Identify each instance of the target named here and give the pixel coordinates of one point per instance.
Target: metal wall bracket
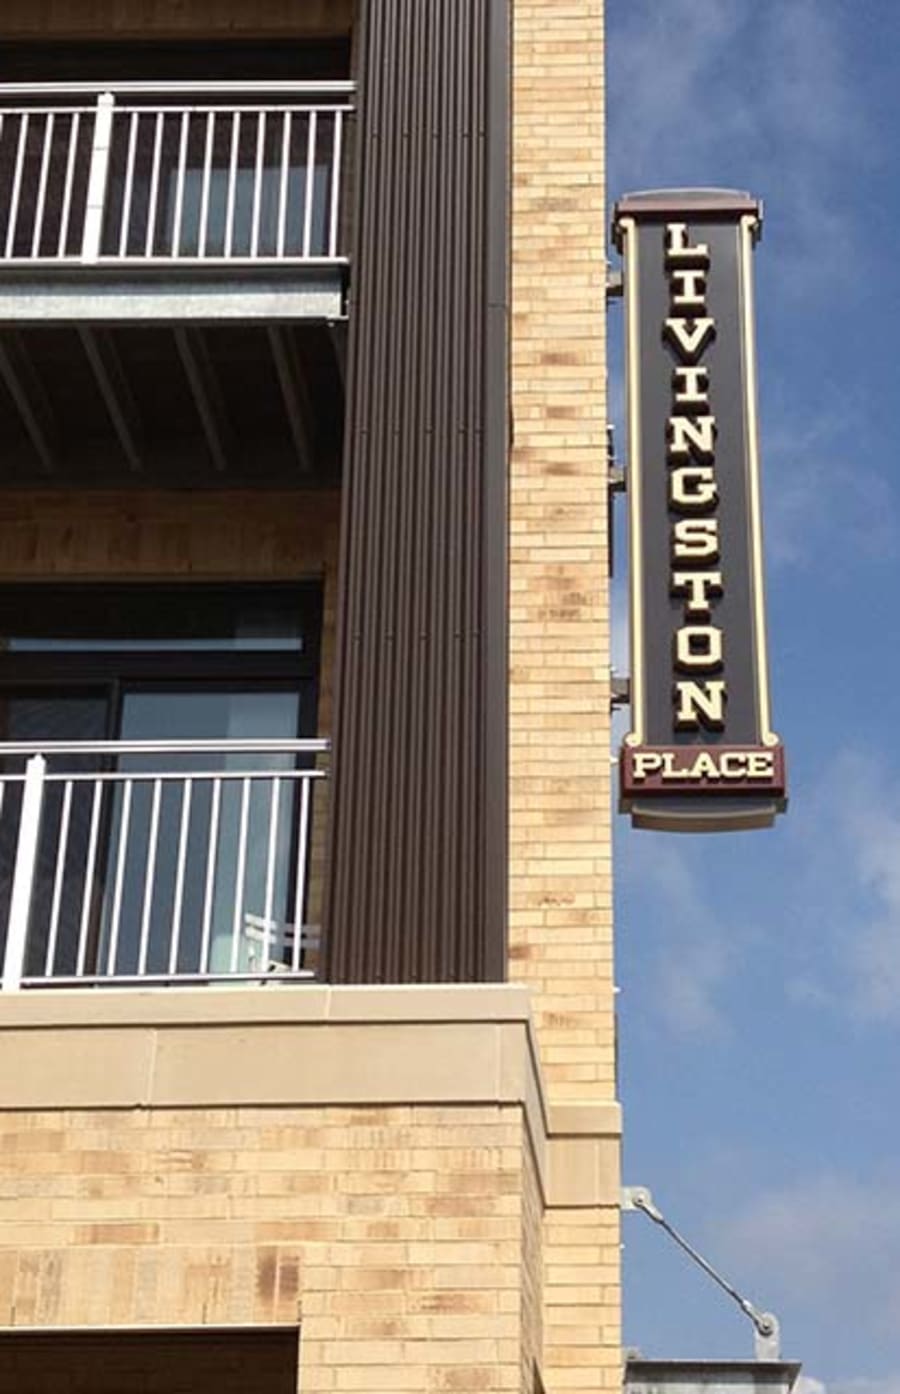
(615, 284)
(619, 696)
(616, 483)
(766, 1330)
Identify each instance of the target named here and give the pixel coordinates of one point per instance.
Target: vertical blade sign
(701, 756)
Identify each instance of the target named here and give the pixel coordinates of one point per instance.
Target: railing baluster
(179, 184)
(336, 176)
(17, 185)
(58, 878)
(310, 185)
(212, 849)
(300, 885)
(23, 874)
(258, 181)
(232, 183)
(241, 874)
(74, 130)
(98, 178)
(274, 800)
(121, 853)
(149, 876)
(154, 183)
(178, 902)
(207, 177)
(284, 188)
(46, 152)
(129, 184)
(88, 892)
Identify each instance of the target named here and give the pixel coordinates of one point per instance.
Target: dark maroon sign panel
(701, 752)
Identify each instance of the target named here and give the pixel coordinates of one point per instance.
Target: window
(144, 843)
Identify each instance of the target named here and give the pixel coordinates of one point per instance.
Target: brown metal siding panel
(419, 854)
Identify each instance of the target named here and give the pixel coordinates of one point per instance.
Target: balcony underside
(113, 401)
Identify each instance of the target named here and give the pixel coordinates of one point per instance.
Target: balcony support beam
(295, 394)
(208, 399)
(337, 331)
(25, 388)
(104, 294)
(116, 393)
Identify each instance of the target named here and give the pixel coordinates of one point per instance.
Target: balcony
(143, 190)
(173, 278)
(153, 862)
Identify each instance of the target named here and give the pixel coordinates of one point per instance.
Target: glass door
(214, 882)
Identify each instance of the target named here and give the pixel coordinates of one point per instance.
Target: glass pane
(39, 717)
(52, 716)
(206, 908)
(153, 618)
(154, 715)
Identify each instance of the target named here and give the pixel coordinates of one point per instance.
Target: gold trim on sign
(748, 227)
(628, 229)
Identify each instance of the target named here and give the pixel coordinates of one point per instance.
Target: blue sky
(760, 972)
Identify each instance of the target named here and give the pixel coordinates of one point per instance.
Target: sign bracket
(619, 691)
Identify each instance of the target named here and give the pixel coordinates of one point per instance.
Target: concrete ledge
(304, 1046)
(273, 1002)
(583, 1164)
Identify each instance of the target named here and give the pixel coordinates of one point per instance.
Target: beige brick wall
(393, 1235)
(560, 877)
(582, 1296)
(561, 867)
(532, 1312)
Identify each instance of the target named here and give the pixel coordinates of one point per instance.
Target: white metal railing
(156, 862)
(172, 173)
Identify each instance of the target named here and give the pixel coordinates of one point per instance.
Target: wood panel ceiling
(175, 406)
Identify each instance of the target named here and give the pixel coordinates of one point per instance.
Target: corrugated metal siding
(419, 852)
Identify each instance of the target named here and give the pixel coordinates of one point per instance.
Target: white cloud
(847, 881)
(827, 902)
(761, 94)
(660, 57)
(826, 1243)
(817, 482)
(871, 821)
(755, 94)
(687, 981)
(695, 955)
(888, 1384)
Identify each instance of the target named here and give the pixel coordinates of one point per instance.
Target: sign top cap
(686, 203)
